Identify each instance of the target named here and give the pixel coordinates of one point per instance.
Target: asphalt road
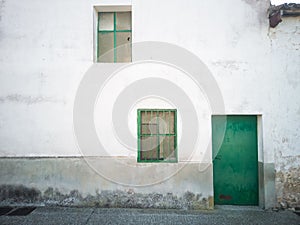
(221, 215)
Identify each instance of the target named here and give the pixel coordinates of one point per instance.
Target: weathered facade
(69, 123)
(285, 46)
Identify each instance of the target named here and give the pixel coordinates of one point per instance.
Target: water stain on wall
(22, 195)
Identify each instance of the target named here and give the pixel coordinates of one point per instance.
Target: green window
(157, 135)
(114, 37)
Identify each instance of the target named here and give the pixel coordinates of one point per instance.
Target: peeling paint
(29, 100)
(283, 163)
(285, 139)
(231, 65)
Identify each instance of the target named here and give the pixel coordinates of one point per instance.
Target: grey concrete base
(101, 182)
(269, 185)
(72, 182)
(267, 192)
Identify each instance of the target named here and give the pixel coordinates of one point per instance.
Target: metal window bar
(115, 31)
(157, 137)
(169, 131)
(164, 131)
(175, 132)
(161, 137)
(150, 148)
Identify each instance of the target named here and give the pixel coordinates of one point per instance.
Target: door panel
(235, 162)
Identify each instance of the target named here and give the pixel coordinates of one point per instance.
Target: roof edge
(283, 10)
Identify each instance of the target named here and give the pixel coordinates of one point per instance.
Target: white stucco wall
(46, 51)
(285, 70)
(285, 132)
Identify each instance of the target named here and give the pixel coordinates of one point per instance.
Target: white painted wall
(46, 48)
(285, 132)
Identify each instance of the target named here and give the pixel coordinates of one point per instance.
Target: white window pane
(124, 46)
(106, 47)
(106, 21)
(123, 20)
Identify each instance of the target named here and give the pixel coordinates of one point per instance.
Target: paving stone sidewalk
(221, 215)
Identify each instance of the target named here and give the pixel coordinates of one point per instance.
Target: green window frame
(157, 135)
(114, 37)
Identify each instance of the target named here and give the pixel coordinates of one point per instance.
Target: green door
(235, 162)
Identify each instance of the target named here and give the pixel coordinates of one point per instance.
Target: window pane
(106, 21)
(149, 148)
(123, 46)
(164, 147)
(166, 122)
(149, 128)
(145, 118)
(123, 20)
(167, 150)
(157, 137)
(171, 121)
(106, 47)
(163, 122)
(149, 123)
